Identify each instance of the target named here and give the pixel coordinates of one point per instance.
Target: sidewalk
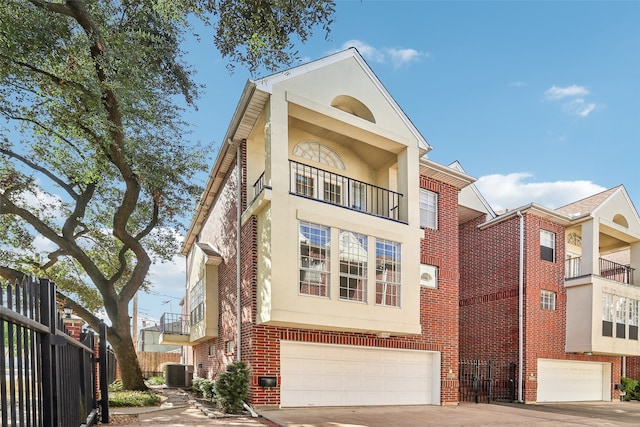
(178, 409)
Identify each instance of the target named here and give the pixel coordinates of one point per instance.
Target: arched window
(621, 220)
(352, 106)
(317, 152)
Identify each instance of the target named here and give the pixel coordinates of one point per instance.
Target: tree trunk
(128, 364)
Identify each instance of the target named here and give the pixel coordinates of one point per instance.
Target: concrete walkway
(178, 409)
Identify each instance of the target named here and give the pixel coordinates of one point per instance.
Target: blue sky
(536, 99)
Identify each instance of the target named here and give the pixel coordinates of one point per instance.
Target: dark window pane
(607, 328)
(620, 330)
(546, 253)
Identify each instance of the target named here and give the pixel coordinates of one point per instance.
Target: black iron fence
(49, 377)
(607, 269)
(487, 381)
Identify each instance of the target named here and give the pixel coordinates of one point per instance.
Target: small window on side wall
(547, 246)
(548, 300)
(428, 209)
(429, 276)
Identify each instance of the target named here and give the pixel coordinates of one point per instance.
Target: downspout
(238, 263)
(520, 308)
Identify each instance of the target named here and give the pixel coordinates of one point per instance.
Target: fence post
(104, 386)
(49, 371)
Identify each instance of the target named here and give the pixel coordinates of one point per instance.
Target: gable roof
(588, 204)
(266, 84)
(252, 101)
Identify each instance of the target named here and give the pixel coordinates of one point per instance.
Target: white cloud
(511, 191)
(396, 56)
(517, 84)
(573, 98)
(168, 276)
(556, 92)
(579, 107)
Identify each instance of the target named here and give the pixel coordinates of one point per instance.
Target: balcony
(338, 190)
(606, 269)
(174, 329)
(602, 309)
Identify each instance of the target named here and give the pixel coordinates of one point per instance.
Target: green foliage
(115, 386)
(232, 387)
(133, 398)
(631, 387)
(203, 387)
(155, 380)
(95, 156)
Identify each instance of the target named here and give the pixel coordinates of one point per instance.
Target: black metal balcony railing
(258, 186)
(607, 269)
(318, 184)
(174, 324)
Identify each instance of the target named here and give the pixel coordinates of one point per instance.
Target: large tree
(93, 155)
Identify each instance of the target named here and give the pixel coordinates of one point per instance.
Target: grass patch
(133, 398)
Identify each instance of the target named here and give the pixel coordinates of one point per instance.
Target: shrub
(232, 387)
(630, 387)
(203, 387)
(133, 398)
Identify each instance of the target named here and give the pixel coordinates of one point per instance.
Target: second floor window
(547, 245)
(315, 256)
(428, 209)
(196, 302)
(608, 302)
(353, 266)
(388, 274)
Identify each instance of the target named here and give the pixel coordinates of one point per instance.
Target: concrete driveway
(465, 414)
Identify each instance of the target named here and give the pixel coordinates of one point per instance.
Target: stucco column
(590, 248)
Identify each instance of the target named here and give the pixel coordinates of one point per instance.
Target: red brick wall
(489, 298)
(261, 344)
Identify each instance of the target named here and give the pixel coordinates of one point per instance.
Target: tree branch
(69, 189)
(52, 7)
(79, 310)
(11, 274)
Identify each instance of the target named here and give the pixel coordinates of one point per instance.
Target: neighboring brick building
(579, 299)
(348, 268)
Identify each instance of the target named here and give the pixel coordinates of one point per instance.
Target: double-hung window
(353, 266)
(314, 258)
(607, 314)
(621, 317)
(633, 319)
(547, 245)
(388, 274)
(428, 209)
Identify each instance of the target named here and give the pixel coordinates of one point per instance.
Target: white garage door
(340, 375)
(573, 381)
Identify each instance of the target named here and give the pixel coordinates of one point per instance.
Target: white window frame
(388, 273)
(548, 300)
(548, 240)
(428, 209)
(354, 268)
(315, 270)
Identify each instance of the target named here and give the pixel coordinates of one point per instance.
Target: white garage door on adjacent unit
(573, 381)
(340, 375)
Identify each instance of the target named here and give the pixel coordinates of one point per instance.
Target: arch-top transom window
(353, 106)
(621, 220)
(317, 152)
